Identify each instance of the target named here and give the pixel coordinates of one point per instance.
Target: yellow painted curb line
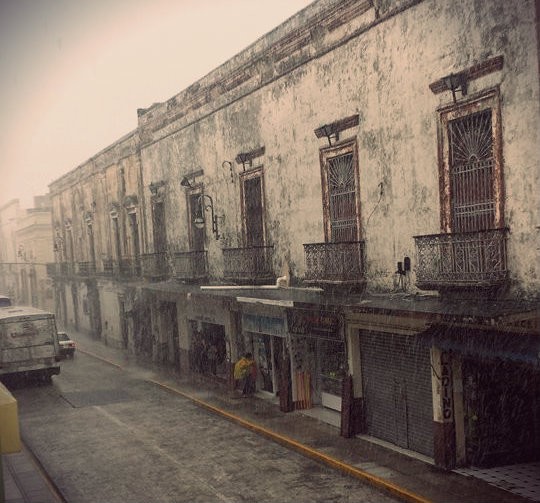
(304, 449)
(378, 482)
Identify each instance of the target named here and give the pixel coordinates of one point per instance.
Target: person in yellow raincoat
(245, 371)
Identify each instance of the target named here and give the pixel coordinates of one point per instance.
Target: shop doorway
(329, 361)
(501, 412)
(396, 379)
(268, 354)
(169, 326)
(208, 353)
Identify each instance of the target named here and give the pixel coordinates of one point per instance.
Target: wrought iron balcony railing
(155, 265)
(86, 268)
(251, 265)
(335, 263)
(109, 266)
(190, 266)
(56, 269)
(461, 260)
(52, 269)
(129, 267)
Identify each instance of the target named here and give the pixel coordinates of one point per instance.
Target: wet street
(106, 434)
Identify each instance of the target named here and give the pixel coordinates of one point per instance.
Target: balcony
(60, 269)
(469, 260)
(109, 266)
(155, 266)
(190, 266)
(86, 269)
(52, 269)
(334, 264)
(251, 265)
(129, 267)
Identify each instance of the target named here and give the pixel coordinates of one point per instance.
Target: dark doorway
(253, 211)
(160, 236)
(501, 412)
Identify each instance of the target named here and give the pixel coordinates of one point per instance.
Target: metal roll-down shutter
(396, 375)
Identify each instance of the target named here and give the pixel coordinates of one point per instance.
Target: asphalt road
(105, 434)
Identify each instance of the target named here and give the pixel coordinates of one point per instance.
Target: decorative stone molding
(114, 208)
(259, 65)
(131, 202)
(246, 158)
(333, 129)
(157, 189)
(88, 217)
(473, 72)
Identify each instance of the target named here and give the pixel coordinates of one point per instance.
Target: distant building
(9, 274)
(26, 249)
(381, 159)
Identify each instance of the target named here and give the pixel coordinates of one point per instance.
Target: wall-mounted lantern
(155, 186)
(186, 183)
(246, 158)
(205, 203)
(456, 81)
(243, 158)
(330, 133)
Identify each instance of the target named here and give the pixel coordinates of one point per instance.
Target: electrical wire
(381, 192)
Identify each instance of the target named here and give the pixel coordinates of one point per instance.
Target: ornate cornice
(257, 65)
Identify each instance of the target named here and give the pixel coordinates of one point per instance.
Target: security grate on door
(396, 375)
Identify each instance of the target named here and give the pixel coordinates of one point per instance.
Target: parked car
(67, 346)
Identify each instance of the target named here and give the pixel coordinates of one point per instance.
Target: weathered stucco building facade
(355, 199)
(25, 250)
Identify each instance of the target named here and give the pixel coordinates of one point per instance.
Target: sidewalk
(415, 479)
(409, 478)
(23, 480)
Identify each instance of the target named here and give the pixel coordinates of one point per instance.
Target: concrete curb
(378, 482)
(55, 490)
(350, 470)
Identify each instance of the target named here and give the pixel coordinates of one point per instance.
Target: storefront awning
(484, 343)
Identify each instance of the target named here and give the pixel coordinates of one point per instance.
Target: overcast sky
(74, 72)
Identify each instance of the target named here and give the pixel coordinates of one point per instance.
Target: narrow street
(106, 434)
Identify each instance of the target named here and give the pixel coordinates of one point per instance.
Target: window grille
(471, 172)
(342, 198)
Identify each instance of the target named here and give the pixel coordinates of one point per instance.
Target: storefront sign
(446, 387)
(207, 311)
(263, 325)
(305, 322)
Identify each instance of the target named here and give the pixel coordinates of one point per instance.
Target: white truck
(28, 343)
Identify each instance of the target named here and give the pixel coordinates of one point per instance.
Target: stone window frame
(485, 100)
(253, 172)
(198, 191)
(348, 146)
